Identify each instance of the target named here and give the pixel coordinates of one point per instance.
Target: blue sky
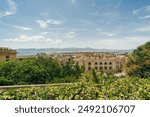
(109, 24)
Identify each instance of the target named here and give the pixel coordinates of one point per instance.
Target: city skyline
(100, 24)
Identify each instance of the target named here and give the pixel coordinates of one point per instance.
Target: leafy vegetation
(138, 64)
(86, 89)
(38, 70)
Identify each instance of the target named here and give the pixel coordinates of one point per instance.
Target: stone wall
(7, 54)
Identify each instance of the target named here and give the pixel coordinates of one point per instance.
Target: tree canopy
(138, 63)
(38, 70)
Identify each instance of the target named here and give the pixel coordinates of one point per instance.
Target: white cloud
(70, 34)
(34, 38)
(145, 17)
(99, 29)
(46, 23)
(11, 10)
(60, 16)
(26, 38)
(73, 1)
(143, 29)
(143, 13)
(22, 28)
(123, 43)
(54, 41)
(44, 33)
(109, 34)
(16, 26)
(43, 24)
(101, 32)
(107, 13)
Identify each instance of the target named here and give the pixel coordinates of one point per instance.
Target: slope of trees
(38, 70)
(138, 64)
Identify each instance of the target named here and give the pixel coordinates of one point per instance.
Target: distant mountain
(34, 51)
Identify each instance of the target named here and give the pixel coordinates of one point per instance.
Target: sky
(100, 24)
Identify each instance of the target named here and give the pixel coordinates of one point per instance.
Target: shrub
(4, 81)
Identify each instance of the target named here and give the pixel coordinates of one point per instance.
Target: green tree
(77, 70)
(50, 65)
(6, 68)
(138, 63)
(27, 72)
(71, 69)
(95, 76)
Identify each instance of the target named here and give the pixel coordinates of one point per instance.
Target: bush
(66, 79)
(4, 81)
(86, 89)
(127, 89)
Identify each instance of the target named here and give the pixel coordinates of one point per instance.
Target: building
(6, 54)
(106, 62)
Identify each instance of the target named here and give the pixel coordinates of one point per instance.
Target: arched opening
(96, 63)
(101, 63)
(89, 63)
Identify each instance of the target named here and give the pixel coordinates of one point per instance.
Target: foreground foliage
(108, 87)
